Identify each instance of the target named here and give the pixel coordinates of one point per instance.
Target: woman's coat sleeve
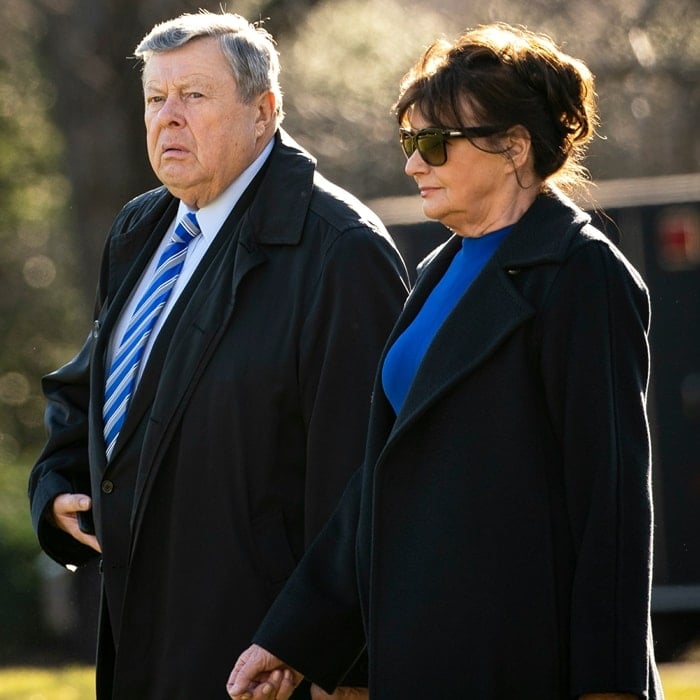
(595, 364)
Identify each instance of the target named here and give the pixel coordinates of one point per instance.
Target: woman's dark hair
(508, 76)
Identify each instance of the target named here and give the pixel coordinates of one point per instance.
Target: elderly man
(219, 405)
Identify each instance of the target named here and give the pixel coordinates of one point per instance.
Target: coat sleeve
(62, 466)
(360, 292)
(595, 364)
(315, 624)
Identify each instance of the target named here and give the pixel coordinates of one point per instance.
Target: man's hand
(65, 517)
(259, 674)
(341, 693)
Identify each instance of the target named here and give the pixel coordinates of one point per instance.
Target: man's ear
(267, 110)
(517, 146)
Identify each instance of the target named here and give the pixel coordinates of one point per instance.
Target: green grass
(681, 682)
(70, 683)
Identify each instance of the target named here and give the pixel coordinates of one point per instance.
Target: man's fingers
(248, 666)
(90, 541)
(290, 680)
(64, 511)
(67, 503)
(279, 686)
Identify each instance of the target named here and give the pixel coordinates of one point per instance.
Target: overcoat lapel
(129, 254)
(489, 312)
(180, 331)
(186, 353)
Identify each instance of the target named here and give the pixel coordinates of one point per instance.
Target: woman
(497, 542)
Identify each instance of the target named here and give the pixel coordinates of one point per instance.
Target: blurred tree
(343, 70)
(39, 304)
(646, 58)
(340, 75)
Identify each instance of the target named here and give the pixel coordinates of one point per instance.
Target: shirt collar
(212, 216)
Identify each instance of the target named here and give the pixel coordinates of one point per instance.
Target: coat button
(107, 486)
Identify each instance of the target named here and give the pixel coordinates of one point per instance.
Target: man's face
(200, 136)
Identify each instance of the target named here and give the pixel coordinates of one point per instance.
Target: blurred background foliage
(72, 152)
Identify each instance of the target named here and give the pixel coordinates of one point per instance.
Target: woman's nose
(415, 164)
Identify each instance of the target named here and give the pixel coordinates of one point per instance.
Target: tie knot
(187, 229)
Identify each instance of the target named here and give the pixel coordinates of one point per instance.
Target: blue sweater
(407, 352)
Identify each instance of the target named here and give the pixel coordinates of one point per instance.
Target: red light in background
(678, 238)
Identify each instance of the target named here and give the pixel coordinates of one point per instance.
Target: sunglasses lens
(430, 145)
(432, 148)
(408, 143)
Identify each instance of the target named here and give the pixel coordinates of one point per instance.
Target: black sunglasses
(430, 142)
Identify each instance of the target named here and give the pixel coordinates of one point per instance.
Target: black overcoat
(497, 542)
(249, 419)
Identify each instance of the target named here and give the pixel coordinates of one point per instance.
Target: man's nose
(171, 111)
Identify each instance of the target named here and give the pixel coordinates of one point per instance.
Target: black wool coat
(497, 542)
(248, 421)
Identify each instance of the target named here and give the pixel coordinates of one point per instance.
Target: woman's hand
(260, 674)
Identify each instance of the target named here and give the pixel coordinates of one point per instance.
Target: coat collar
(277, 215)
(544, 232)
(287, 182)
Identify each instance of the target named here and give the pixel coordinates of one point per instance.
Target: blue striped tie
(121, 379)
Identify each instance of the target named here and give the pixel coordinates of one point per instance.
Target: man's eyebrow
(196, 79)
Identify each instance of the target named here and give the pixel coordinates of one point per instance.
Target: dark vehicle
(656, 222)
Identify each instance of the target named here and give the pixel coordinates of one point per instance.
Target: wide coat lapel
(128, 255)
(182, 358)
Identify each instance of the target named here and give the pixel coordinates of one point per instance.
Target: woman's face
(474, 192)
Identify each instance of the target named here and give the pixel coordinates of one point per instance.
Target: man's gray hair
(249, 49)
